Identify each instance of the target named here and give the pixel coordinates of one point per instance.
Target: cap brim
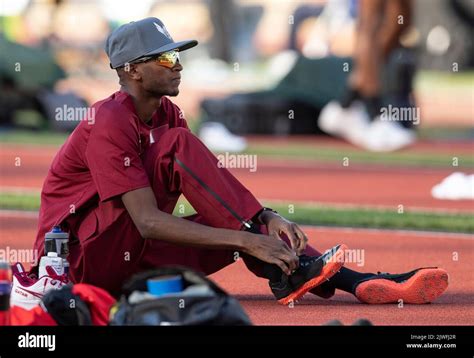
(181, 46)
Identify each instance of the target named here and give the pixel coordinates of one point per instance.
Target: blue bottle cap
(56, 233)
(165, 284)
(56, 229)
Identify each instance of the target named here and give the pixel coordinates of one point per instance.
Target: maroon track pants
(109, 248)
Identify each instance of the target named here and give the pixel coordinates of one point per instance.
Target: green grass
(376, 218)
(310, 214)
(17, 201)
(33, 137)
(290, 151)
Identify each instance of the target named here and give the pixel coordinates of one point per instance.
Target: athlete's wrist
(245, 242)
(267, 215)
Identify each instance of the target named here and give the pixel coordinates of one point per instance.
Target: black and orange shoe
(419, 286)
(312, 272)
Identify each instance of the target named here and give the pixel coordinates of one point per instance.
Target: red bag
(34, 317)
(91, 307)
(99, 301)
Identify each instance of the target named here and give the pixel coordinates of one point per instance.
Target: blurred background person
(265, 67)
(357, 116)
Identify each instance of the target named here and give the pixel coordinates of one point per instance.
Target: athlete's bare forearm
(155, 224)
(169, 228)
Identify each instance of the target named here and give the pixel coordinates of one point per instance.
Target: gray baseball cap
(137, 39)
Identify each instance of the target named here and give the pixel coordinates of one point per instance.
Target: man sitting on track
(123, 173)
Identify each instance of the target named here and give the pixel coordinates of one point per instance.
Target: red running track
(362, 185)
(356, 185)
(388, 251)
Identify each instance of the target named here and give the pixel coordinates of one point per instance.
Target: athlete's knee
(178, 132)
(182, 138)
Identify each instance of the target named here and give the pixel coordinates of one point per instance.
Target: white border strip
(336, 205)
(436, 234)
(19, 214)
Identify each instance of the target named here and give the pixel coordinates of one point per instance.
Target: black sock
(349, 96)
(373, 106)
(270, 271)
(345, 280)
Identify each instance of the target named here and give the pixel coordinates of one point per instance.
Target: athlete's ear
(133, 71)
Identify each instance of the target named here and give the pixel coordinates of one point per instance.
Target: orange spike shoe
(422, 285)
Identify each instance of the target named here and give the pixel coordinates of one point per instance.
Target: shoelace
(63, 279)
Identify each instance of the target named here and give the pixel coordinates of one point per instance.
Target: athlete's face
(159, 80)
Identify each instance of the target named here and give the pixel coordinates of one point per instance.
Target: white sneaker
(349, 123)
(27, 291)
(457, 186)
(218, 138)
(354, 125)
(386, 136)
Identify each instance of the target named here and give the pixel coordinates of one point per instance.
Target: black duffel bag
(201, 302)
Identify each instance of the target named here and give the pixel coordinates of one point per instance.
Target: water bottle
(65, 267)
(53, 260)
(57, 241)
(5, 290)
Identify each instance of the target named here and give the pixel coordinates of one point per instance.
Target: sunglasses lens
(168, 59)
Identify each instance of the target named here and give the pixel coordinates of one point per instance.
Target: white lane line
(20, 190)
(19, 214)
(385, 207)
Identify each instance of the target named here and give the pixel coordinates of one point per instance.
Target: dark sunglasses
(165, 59)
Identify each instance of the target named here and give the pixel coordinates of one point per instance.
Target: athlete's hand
(277, 225)
(273, 250)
